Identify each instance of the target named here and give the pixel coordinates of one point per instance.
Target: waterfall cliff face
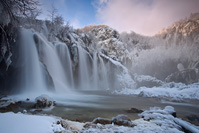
(47, 65)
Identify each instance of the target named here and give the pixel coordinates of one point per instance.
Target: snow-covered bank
(24, 123)
(153, 120)
(173, 91)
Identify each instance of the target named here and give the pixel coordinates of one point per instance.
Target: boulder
(122, 120)
(170, 110)
(43, 101)
(102, 121)
(187, 76)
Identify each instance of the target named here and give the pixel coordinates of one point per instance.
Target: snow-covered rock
(172, 91)
(122, 120)
(187, 76)
(147, 81)
(44, 101)
(153, 120)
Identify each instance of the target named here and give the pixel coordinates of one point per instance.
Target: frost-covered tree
(52, 13)
(58, 20)
(18, 8)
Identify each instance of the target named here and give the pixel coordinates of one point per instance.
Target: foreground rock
(44, 101)
(102, 121)
(122, 120)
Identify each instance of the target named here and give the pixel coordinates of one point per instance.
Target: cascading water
(32, 76)
(83, 68)
(41, 59)
(54, 65)
(64, 55)
(95, 70)
(103, 74)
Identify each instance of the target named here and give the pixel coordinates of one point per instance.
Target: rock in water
(44, 101)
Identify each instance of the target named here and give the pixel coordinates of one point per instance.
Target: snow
(124, 78)
(153, 120)
(24, 123)
(174, 91)
(141, 78)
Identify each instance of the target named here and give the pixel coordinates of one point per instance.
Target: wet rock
(102, 121)
(58, 122)
(194, 119)
(134, 110)
(64, 124)
(89, 124)
(27, 99)
(122, 120)
(74, 55)
(187, 76)
(48, 78)
(43, 101)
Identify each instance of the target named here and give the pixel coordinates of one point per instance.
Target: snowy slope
(24, 123)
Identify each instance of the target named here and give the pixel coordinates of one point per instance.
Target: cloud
(144, 16)
(75, 23)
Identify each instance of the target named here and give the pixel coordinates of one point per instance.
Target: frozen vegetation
(171, 91)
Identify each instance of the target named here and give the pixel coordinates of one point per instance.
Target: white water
(95, 71)
(64, 55)
(54, 66)
(83, 68)
(103, 73)
(32, 77)
(43, 61)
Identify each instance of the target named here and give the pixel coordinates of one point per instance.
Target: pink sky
(146, 17)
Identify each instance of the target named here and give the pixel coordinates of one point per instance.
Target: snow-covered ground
(153, 120)
(24, 123)
(173, 91)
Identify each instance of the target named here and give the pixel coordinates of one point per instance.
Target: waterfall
(54, 65)
(32, 77)
(104, 81)
(64, 55)
(83, 69)
(95, 71)
(44, 64)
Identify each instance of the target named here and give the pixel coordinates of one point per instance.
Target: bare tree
(58, 20)
(52, 13)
